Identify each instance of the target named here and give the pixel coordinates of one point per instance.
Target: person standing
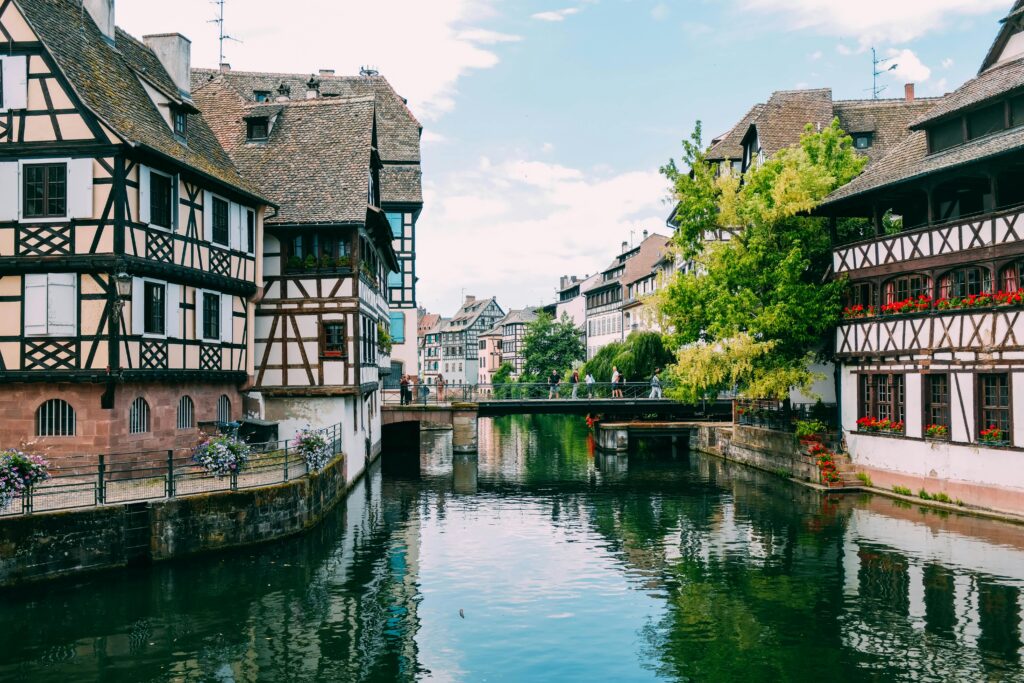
(553, 384)
(440, 388)
(403, 385)
(656, 384)
(590, 385)
(575, 384)
(616, 381)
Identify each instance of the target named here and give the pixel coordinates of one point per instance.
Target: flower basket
(993, 436)
(936, 432)
(314, 447)
(221, 456)
(19, 472)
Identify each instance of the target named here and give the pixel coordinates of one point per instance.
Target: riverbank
(50, 545)
(778, 453)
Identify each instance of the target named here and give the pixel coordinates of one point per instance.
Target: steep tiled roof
(426, 322)
(315, 162)
(730, 145)
(468, 313)
(993, 83)
(1010, 25)
(401, 182)
(105, 78)
(787, 112)
(640, 266)
(522, 316)
(887, 120)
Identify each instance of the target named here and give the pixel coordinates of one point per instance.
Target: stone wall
(50, 545)
(762, 448)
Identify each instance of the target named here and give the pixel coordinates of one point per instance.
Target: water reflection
(541, 559)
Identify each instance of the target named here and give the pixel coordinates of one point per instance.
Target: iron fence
(427, 394)
(782, 415)
(112, 478)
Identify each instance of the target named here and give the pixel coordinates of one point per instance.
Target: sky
(545, 121)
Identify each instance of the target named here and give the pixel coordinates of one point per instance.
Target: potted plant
(326, 262)
(310, 262)
(343, 262)
(936, 432)
(221, 456)
(19, 472)
(810, 431)
(294, 263)
(313, 446)
(993, 436)
(384, 342)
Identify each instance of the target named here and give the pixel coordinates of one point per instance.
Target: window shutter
(144, 207)
(207, 231)
(138, 307)
(175, 202)
(80, 188)
(9, 186)
(235, 225)
(62, 304)
(199, 313)
(15, 75)
(173, 309)
(35, 304)
(227, 318)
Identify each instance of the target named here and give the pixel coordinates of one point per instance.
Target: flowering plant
(830, 475)
(859, 311)
(911, 305)
(18, 473)
(221, 455)
(873, 424)
(991, 435)
(313, 446)
(936, 431)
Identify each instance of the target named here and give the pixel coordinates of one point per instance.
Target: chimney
(625, 246)
(224, 66)
(174, 52)
(312, 88)
(284, 92)
(469, 299)
(102, 12)
(326, 72)
(908, 91)
(645, 234)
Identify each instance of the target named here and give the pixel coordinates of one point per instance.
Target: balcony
(984, 231)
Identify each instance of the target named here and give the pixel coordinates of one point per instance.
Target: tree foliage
(551, 345)
(501, 378)
(756, 307)
(636, 358)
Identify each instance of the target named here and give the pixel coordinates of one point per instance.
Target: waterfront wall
(50, 545)
(762, 448)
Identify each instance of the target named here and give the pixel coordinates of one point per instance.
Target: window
(882, 397)
(45, 190)
(186, 413)
(964, 282)
(220, 221)
(1017, 111)
(13, 82)
(398, 327)
(138, 417)
(180, 118)
(223, 409)
(161, 199)
(328, 252)
(261, 95)
(211, 315)
(986, 121)
(55, 417)
(257, 129)
(51, 304)
(1009, 277)
(936, 388)
(332, 340)
(250, 231)
(907, 287)
(154, 308)
(995, 403)
(394, 279)
(946, 135)
(863, 140)
(395, 219)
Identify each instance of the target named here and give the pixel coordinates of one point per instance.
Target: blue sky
(545, 122)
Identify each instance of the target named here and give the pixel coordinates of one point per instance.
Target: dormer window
(180, 120)
(863, 140)
(986, 121)
(257, 128)
(946, 135)
(261, 95)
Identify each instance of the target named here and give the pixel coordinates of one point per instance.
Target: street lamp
(124, 285)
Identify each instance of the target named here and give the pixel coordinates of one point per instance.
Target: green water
(540, 561)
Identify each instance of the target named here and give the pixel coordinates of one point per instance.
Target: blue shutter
(394, 279)
(395, 219)
(398, 327)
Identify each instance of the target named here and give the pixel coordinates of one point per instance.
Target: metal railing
(777, 415)
(81, 481)
(429, 394)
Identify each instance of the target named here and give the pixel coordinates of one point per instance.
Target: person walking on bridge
(656, 384)
(553, 384)
(616, 383)
(590, 384)
(575, 384)
(403, 385)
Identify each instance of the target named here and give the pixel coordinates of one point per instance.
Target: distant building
(513, 331)
(459, 344)
(648, 272)
(430, 348)
(489, 354)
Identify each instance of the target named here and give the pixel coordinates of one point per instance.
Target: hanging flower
(221, 455)
(314, 447)
(19, 472)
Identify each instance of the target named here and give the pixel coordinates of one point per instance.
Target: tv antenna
(220, 28)
(875, 63)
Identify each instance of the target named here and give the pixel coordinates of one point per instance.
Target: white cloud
(843, 50)
(941, 86)
(815, 56)
(660, 11)
(513, 226)
(947, 62)
(547, 148)
(432, 137)
(555, 15)
(872, 21)
(451, 34)
(909, 68)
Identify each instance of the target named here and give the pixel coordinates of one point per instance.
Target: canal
(539, 560)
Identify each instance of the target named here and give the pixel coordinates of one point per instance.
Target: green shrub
(865, 478)
(902, 490)
(941, 497)
(924, 495)
(808, 428)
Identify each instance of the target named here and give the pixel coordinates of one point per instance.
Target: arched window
(186, 413)
(1009, 277)
(906, 287)
(55, 417)
(964, 282)
(138, 417)
(223, 409)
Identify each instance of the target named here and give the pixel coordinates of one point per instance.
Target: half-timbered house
(128, 239)
(935, 329)
(323, 316)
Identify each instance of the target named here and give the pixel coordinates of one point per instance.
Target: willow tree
(757, 309)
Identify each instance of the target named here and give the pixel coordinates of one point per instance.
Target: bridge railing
(428, 394)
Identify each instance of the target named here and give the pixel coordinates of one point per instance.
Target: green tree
(551, 345)
(636, 358)
(757, 308)
(501, 379)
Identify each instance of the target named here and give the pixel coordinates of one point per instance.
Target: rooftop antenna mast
(220, 29)
(875, 63)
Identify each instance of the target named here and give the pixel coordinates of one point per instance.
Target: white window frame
(208, 197)
(145, 191)
(250, 248)
(201, 315)
(22, 163)
(46, 306)
(139, 309)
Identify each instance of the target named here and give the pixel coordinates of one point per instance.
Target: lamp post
(123, 281)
